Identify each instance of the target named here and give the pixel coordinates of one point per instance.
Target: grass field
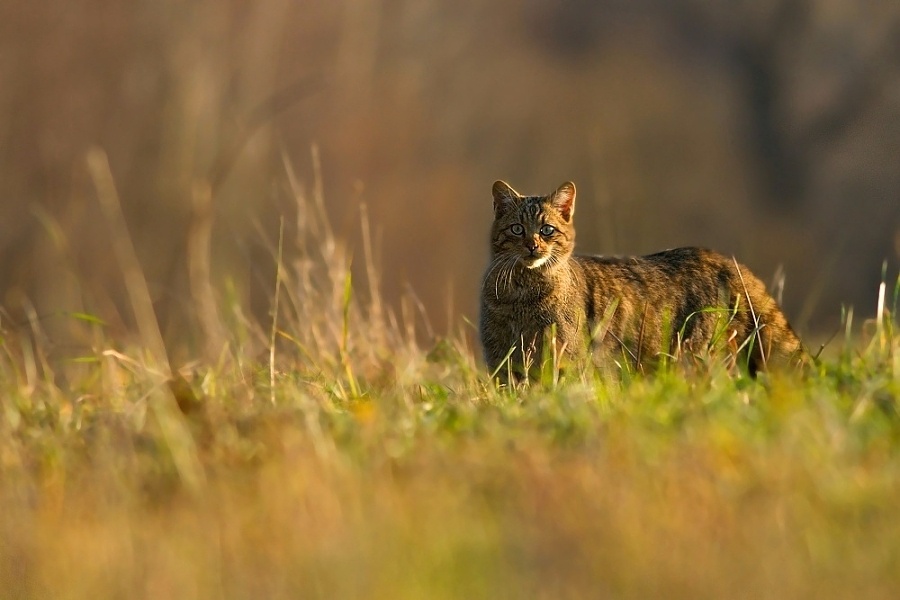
(330, 453)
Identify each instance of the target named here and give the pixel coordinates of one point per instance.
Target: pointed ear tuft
(504, 196)
(563, 200)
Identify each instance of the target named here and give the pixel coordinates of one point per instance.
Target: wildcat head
(534, 231)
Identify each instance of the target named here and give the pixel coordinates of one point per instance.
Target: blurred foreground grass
(433, 485)
(327, 455)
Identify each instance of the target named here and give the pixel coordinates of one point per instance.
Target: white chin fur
(539, 262)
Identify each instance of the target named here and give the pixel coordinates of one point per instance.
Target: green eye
(517, 229)
(547, 230)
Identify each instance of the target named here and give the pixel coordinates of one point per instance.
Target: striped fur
(632, 310)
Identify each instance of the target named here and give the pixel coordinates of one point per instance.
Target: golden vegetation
(203, 396)
(337, 458)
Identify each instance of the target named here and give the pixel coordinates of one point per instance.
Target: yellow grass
(331, 453)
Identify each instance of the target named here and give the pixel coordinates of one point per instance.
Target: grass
(328, 454)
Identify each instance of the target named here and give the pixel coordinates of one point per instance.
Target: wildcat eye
(547, 230)
(517, 229)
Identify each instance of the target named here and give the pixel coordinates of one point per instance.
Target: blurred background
(769, 129)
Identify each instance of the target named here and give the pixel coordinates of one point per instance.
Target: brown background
(769, 129)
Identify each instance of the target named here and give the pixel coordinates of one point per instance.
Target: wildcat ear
(504, 196)
(563, 200)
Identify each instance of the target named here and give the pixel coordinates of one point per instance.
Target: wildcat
(618, 310)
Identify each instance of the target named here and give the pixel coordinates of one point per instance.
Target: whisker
(507, 273)
(500, 272)
(510, 272)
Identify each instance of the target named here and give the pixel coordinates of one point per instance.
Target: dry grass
(326, 454)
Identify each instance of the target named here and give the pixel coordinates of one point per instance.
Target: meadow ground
(330, 454)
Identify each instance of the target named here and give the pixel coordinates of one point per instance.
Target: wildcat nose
(531, 245)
